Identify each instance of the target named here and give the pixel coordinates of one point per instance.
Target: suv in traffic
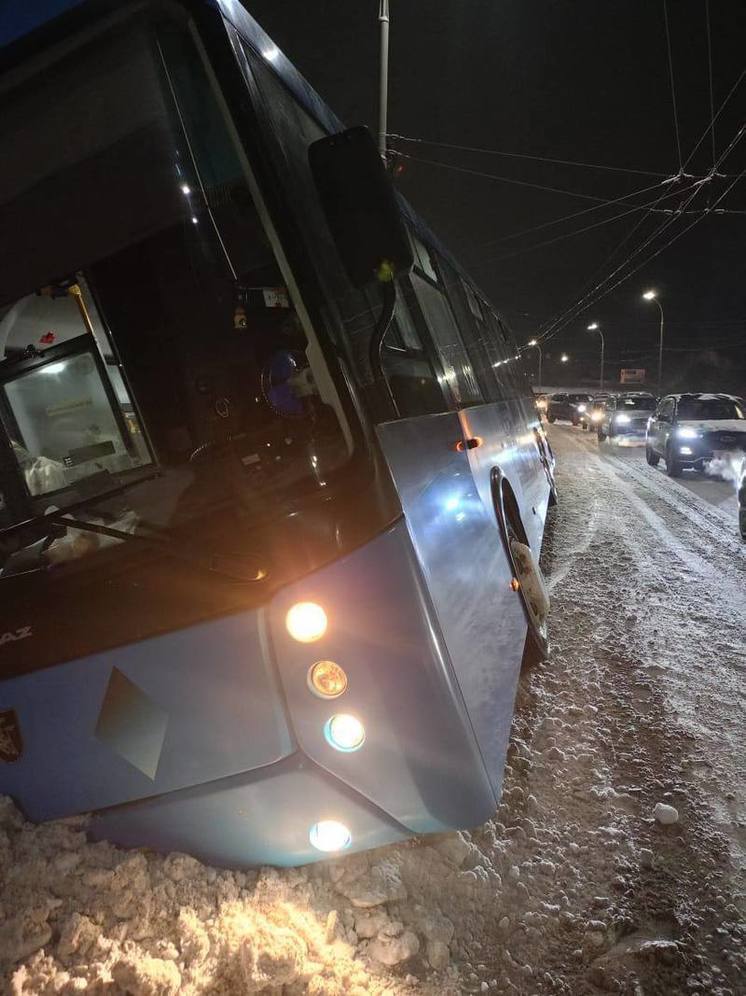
(690, 430)
(567, 407)
(626, 416)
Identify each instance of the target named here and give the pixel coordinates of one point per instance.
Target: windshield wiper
(237, 568)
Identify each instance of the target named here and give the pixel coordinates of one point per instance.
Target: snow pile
(81, 917)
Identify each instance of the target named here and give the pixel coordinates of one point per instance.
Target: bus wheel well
(506, 506)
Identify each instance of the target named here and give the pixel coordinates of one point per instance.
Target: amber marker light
(327, 679)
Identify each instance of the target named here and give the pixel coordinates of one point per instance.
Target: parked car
(594, 412)
(567, 407)
(625, 416)
(690, 430)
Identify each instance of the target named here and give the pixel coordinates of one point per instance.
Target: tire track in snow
(715, 522)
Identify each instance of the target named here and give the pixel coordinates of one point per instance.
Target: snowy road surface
(575, 887)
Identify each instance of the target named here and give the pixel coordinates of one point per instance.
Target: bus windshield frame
(318, 387)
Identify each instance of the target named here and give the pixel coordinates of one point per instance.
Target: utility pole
(536, 346)
(653, 296)
(383, 85)
(596, 328)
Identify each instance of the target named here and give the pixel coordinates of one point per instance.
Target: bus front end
(217, 635)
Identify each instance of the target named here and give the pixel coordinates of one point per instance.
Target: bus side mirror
(360, 206)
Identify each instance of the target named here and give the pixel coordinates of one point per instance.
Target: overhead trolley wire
(504, 179)
(697, 186)
(673, 85)
(577, 309)
(579, 231)
(523, 155)
(709, 67)
(569, 217)
(720, 110)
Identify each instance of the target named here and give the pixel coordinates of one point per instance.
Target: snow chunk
(664, 814)
(394, 944)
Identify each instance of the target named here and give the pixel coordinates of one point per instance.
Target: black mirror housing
(360, 206)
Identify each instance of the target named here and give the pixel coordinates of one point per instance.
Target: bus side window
(457, 366)
(474, 332)
(408, 368)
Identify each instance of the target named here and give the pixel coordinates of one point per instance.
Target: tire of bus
(601, 436)
(526, 570)
(651, 456)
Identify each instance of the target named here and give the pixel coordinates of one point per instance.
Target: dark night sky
(578, 80)
(567, 79)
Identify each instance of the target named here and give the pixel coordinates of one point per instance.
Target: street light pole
(383, 83)
(596, 328)
(536, 345)
(653, 296)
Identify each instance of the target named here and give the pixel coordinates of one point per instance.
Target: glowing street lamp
(651, 295)
(564, 358)
(595, 327)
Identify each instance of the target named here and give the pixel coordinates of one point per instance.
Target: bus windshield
(154, 367)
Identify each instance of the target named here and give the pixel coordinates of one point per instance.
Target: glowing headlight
(345, 732)
(686, 432)
(306, 622)
(623, 418)
(596, 416)
(327, 679)
(581, 408)
(685, 450)
(329, 835)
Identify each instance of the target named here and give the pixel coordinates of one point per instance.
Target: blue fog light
(329, 835)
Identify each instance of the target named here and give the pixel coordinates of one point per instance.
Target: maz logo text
(16, 634)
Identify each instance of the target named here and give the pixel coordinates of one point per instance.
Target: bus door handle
(470, 443)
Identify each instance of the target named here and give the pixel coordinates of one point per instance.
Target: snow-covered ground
(615, 863)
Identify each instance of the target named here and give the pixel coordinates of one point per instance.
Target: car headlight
(596, 416)
(686, 432)
(623, 418)
(581, 408)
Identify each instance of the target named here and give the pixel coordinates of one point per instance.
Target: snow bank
(82, 917)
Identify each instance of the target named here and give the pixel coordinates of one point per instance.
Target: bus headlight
(344, 732)
(306, 622)
(329, 835)
(623, 418)
(327, 679)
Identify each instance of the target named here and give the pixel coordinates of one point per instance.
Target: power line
(710, 127)
(519, 155)
(626, 276)
(569, 313)
(581, 305)
(504, 179)
(579, 231)
(709, 66)
(673, 87)
(569, 217)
